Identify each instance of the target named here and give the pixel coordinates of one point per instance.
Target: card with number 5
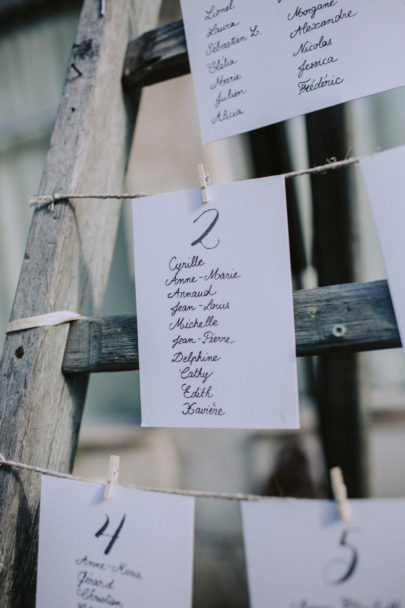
(300, 555)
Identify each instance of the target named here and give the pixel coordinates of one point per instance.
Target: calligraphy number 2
(339, 570)
(113, 537)
(201, 238)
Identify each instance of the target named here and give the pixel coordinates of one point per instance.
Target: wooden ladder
(44, 371)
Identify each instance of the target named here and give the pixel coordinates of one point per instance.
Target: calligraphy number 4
(113, 537)
(339, 569)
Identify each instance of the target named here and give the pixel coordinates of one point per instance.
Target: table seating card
(300, 555)
(258, 62)
(214, 308)
(383, 174)
(133, 550)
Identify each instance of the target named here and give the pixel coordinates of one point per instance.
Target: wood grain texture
(363, 309)
(66, 265)
(156, 56)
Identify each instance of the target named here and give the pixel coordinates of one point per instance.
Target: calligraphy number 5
(201, 238)
(339, 570)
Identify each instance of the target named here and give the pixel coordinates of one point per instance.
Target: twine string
(193, 493)
(57, 197)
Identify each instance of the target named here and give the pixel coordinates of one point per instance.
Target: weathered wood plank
(157, 55)
(66, 266)
(363, 310)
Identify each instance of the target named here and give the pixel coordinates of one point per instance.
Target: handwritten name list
(256, 63)
(214, 308)
(94, 552)
(197, 325)
(300, 555)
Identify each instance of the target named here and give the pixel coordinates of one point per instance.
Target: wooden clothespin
(339, 492)
(112, 476)
(204, 182)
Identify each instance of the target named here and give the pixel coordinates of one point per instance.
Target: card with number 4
(300, 555)
(133, 550)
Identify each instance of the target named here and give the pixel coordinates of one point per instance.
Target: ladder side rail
(66, 266)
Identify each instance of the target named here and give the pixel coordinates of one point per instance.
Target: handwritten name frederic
(313, 84)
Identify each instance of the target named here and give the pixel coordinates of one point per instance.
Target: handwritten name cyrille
(215, 320)
(256, 63)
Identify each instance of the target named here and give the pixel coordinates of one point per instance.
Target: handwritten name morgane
(311, 11)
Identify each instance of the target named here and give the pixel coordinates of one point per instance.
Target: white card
(383, 174)
(257, 62)
(133, 550)
(214, 308)
(300, 555)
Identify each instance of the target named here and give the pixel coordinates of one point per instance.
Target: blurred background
(352, 406)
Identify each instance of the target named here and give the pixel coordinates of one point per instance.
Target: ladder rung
(352, 316)
(157, 55)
